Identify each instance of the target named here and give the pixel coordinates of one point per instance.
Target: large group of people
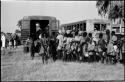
(90, 47)
(78, 46)
(9, 41)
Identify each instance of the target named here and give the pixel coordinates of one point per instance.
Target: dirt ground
(17, 66)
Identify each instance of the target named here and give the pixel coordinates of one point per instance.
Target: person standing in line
(106, 37)
(12, 41)
(15, 40)
(84, 45)
(15, 44)
(102, 47)
(114, 40)
(95, 35)
(10, 44)
(81, 45)
(60, 39)
(31, 47)
(3, 40)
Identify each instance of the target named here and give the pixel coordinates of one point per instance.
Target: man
(68, 44)
(84, 46)
(37, 37)
(3, 39)
(38, 30)
(82, 40)
(60, 39)
(31, 45)
(77, 42)
(44, 50)
(53, 46)
(89, 37)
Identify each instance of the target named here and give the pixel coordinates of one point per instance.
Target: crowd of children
(81, 46)
(90, 47)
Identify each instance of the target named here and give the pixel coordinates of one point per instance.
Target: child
(10, 44)
(110, 52)
(102, 47)
(91, 50)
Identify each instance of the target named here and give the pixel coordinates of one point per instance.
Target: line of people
(79, 46)
(88, 47)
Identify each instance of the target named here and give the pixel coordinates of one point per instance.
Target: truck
(29, 22)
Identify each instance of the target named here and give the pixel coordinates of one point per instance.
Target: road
(17, 66)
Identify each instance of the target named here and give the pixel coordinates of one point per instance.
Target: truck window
(97, 26)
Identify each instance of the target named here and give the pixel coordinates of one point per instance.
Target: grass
(19, 67)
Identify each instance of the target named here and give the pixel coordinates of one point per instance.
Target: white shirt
(3, 40)
(60, 38)
(40, 36)
(77, 38)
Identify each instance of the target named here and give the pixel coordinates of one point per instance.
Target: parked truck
(29, 22)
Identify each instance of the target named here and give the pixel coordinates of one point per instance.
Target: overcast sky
(65, 11)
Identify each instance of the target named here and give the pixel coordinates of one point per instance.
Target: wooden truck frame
(28, 25)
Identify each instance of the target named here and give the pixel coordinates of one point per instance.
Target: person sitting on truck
(38, 30)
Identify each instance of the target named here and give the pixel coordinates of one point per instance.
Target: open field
(16, 66)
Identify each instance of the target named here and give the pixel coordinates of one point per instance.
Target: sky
(64, 11)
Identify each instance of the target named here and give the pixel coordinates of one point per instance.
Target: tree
(19, 24)
(111, 9)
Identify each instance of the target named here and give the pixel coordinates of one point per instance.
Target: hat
(37, 24)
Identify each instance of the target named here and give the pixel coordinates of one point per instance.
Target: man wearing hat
(38, 30)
